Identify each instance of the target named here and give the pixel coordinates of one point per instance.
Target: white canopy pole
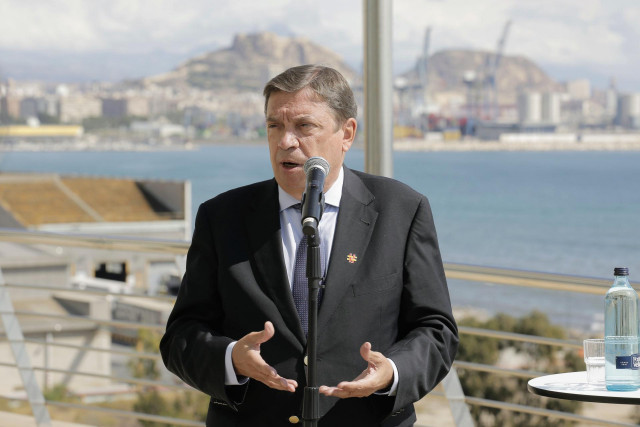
(378, 87)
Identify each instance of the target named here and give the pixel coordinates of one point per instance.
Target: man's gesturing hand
(248, 362)
(377, 376)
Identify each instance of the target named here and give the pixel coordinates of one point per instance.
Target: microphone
(316, 169)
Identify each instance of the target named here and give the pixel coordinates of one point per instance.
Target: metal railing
(452, 391)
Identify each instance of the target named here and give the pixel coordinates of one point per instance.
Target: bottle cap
(621, 271)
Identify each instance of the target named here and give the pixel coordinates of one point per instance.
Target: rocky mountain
(253, 59)
(249, 63)
(447, 69)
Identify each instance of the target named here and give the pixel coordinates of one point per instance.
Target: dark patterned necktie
(300, 288)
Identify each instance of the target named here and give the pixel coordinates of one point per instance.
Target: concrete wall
(53, 357)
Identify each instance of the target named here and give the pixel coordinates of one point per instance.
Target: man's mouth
(290, 165)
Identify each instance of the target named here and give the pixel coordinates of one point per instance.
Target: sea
(574, 212)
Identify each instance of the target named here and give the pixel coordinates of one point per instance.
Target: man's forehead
(295, 100)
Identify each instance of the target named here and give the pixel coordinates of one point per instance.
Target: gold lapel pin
(352, 258)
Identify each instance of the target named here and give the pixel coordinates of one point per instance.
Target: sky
(66, 40)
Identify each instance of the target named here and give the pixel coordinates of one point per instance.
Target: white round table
(574, 386)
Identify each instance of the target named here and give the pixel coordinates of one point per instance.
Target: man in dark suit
(386, 333)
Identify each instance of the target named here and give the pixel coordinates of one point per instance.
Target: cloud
(578, 32)
(32, 25)
(125, 26)
(596, 35)
(569, 31)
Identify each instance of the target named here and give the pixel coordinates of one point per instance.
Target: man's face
(300, 126)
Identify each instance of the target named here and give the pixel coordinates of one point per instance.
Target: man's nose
(288, 140)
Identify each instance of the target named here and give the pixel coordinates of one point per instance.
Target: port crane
(423, 62)
(491, 66)
(421, 95)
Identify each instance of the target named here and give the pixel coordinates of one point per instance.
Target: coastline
(123, 144)
(547, 145)
(93, 144)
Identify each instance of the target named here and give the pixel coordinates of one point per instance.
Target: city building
(550, 108)
(75, 108)
(138, 106)
(629, 110)
(530, 107)
(114, 107)
(9, 107)
(579, 89)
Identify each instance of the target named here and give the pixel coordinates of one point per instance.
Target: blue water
(560, 212)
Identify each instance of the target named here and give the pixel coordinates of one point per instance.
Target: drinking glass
(594, 359)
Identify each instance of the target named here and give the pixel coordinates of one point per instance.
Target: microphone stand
(311, 399)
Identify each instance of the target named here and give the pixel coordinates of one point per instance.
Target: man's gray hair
(328, 84)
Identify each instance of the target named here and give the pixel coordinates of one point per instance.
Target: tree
(191, 405)
(148, 342)
(511, 389)
(150, 402)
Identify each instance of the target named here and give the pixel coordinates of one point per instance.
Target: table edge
(621, 400)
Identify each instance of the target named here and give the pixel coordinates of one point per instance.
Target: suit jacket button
(294, 420)
(306, 360)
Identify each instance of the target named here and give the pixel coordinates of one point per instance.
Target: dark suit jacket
(394, 296)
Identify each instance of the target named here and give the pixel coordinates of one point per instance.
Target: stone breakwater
(95, 144)
(517, 145)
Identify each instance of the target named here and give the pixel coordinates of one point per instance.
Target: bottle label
(628, 362)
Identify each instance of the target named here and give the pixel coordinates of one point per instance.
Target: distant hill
(446, 70)
(249, 63)
(253, 59)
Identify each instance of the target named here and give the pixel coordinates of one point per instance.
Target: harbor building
(629, 110)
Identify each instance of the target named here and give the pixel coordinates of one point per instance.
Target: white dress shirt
(291, 224)
(291, 233)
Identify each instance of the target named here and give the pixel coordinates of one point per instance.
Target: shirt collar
(331, 197)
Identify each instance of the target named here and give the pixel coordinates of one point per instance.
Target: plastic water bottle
(622, 361)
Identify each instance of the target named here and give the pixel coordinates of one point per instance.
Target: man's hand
(377, 376)
(248, 362)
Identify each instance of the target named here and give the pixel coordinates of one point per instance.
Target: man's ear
(349, 133)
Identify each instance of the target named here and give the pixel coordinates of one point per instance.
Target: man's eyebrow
(296, 118)
(303, 117)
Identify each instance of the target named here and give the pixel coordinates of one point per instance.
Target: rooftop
(34, 200)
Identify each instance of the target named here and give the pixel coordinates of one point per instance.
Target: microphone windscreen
(316, 162)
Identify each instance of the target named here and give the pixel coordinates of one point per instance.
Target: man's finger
(343, 392)
(266, 334)
(365, 350)
(247, 360)
(374, 358)
(329, 391)
(269, 376)
(279, 383)
(374, 377)
(288, 385)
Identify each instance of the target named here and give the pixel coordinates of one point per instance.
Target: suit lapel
(263, 225)
(356, 220)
